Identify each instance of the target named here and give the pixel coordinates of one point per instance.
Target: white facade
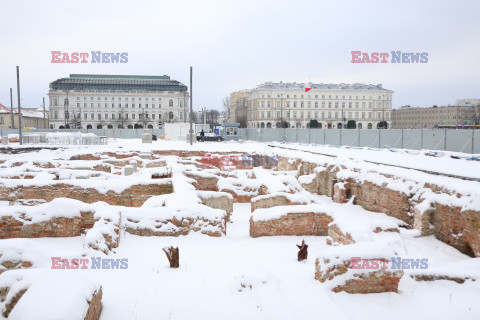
(332, 105)
(102, 109)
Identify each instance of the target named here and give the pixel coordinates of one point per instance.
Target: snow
(56, 296)
(57, 208)
(235, 276)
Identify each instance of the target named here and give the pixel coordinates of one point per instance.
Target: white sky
(236, 45)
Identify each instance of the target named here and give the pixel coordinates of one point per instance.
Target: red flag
(307, 87)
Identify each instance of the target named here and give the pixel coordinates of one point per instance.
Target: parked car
(209, 137)
(154, 137)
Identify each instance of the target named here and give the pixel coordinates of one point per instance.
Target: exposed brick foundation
(370, 282)
(95, 306)
(292, 224)
(57, 227)
(133, 196)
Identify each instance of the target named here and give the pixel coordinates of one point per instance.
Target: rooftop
(26, 112)
(117, 83)
(321, 86)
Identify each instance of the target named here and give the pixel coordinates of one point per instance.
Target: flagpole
(19, 107)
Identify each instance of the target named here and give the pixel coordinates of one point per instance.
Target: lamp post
(191, 109)
(19, 107)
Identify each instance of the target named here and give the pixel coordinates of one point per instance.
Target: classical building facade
(116, 101)
(31, 118)
(332, 105)
(428, 118)
(236, 101)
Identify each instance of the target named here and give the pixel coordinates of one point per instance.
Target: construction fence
(467, 141)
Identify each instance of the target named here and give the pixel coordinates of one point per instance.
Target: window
(153, 116)
(99, 116)
(106, 116)
(231, 131)
(133, 116)
(85, 116)
(78, 105)
(170, 103)
(92, 116)
(113, 116)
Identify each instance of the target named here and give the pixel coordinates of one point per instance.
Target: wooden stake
(302, 253)
(172, 256)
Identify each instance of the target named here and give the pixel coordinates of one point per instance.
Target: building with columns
(91, 101)
(364, 106)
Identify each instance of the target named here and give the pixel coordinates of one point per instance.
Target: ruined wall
(292, 224)
(57, 227)
(133, 196)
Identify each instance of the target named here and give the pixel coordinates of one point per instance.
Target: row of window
(330, 104)
(121, 116)
(119, 105)
(323, 97)
(67, 102)
(336, 115)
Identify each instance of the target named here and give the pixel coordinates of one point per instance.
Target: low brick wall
(12, 303)
(133, 196)
(178, 227)
(338, 235)
(430, 277)
(460, 229)
(374, 281)
(202, 182)
(57, 227)
(292, 224)
(275, 200)
(95, 306)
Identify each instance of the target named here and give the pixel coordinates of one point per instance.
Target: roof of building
(26, 112)
(117, 83)
(321, 86)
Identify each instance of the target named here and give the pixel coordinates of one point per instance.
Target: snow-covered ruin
(83, 229)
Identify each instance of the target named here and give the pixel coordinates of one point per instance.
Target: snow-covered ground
(239, 277)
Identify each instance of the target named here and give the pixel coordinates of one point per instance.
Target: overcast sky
(234, 45)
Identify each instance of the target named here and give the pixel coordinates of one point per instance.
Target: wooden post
(302, 253)
(172, 256)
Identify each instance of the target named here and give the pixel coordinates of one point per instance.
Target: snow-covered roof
(321, 86)
(26, 112)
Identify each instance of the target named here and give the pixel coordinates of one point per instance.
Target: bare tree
(226, 106)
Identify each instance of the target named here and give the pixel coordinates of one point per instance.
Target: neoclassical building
(91, 101)
(363, 106)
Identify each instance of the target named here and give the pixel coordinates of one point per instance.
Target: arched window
(109, 126)
(269, 125)
(89, 126)
(130, 126)
(150, 126)
(99, 126)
